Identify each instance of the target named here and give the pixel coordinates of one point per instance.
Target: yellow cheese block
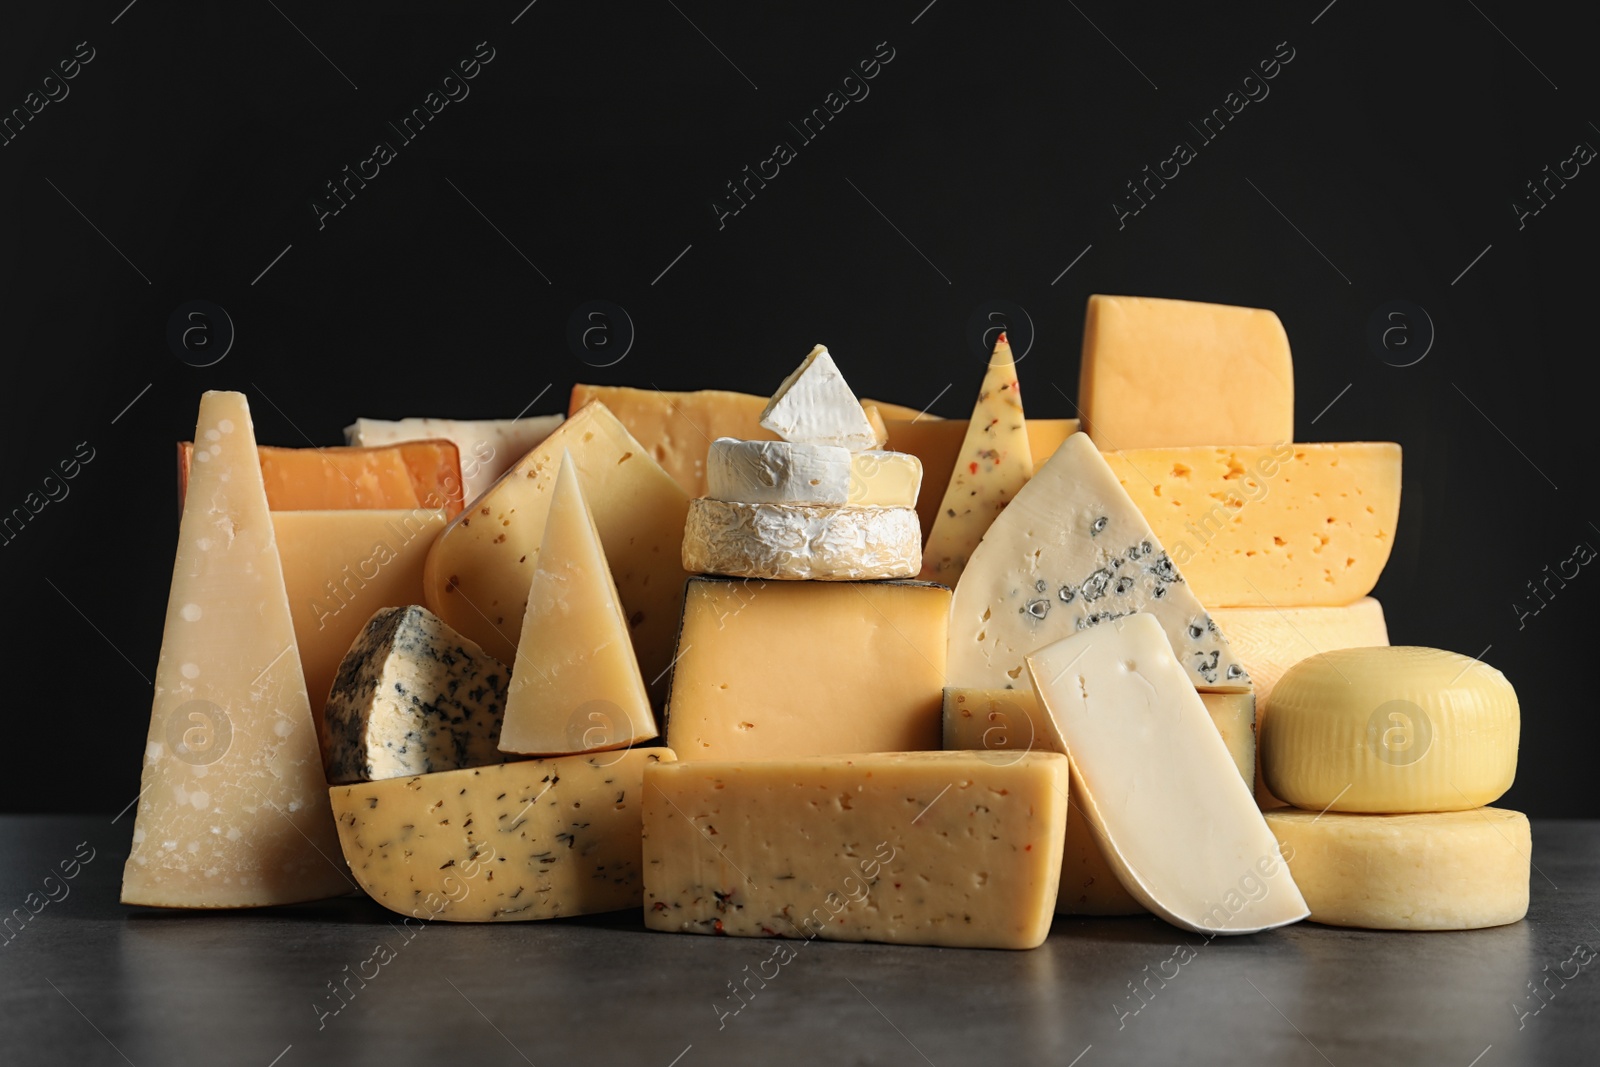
(576, 686)
(1175, 372)
(961, 849)
(481, 566)
(1392, 729)
(232, 809)
(1268, 641)
(770, 669)
(993, 463)
(1453, 870)
(341, 566)
(677, 428)
(1009, 719)
(535, 839)
(937, 442)
(1305, 524)
(887, 411)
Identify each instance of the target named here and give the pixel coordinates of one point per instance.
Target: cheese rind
(488, 447)
(1176, 372)
(776, 669)
(1391, 729)
(1070, 553)
(534, 839)
(481, 566)
(576, 686)
(1305, 524)
(814, 406)
(232, 810)
(412, 697)
(777, 472)
(993, 464)
(799, 542)
(960, 849)
(1179, 826)
(1455, 870)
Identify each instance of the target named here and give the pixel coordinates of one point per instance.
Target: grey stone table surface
(89, 981)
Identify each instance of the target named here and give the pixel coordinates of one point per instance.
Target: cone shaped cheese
(1177, 822)
(233, 809)
(576, 685)
(994, 463)
(1072, 552)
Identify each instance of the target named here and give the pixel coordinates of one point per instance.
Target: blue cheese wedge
(413, 697)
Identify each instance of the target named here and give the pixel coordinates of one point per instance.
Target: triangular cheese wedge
(994, 463)
(575, 686)
(814, 406)
(233, 808)
(1070, 552)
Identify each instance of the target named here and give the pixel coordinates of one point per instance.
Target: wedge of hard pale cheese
(1069, 553)
(1009, 720)
(1270, 640)
(1178, 824)
(576, 685)
(1307, 524)
(412, 697)
(677, 428)
(776, 669)
(535, 839)
(961, 849)
(937, 442)
(814, 406)
(232, 809)
(1451, 870)
(341, 566)
(1391, 729)
(488, 447)
(481, 566)
(420, 474)
(1175, 372)
(993, 464)
(801, 542)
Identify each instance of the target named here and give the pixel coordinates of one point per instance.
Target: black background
(589, 151)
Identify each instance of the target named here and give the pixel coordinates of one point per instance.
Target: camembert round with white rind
(1399, 729)
(801, 542)
(777, 472)
(1452, 870)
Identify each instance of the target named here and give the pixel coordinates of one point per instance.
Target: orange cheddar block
(417, 474)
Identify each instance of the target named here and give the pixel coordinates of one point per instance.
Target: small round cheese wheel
(777, 472)
(801, 542)
(1393, 730)
(1450, 870)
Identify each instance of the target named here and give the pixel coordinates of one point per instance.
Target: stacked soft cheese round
(825, 503)
(1390, 756)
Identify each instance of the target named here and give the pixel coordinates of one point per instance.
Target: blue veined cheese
(413, 697)
(1071, 552)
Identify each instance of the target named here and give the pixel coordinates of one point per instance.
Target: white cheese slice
(801, 542)
(1175, 819)
(814, 406)
(1069, 553)
(489, 447)
(777, 472)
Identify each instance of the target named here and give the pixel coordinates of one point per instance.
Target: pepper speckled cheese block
(1177, 823)
(536, 839)
(1452, 870)
(488, 447)
(959, 849)
(1070, 553)
(232, 809)
(412, 697)
(799, 542)
(772, 669)
(814, 406)
(1391, 729)
(1308, 524)
(1177, 372)
(993, 464)
(1009, 720)
(481, 566)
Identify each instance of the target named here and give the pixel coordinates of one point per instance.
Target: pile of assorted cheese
(918, 680)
